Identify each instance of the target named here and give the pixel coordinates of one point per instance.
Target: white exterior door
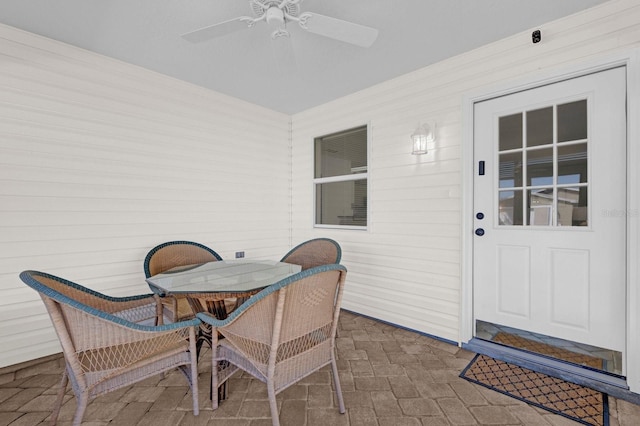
(549, 250)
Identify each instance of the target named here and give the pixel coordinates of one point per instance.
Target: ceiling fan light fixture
(275, 16)
(280, 32)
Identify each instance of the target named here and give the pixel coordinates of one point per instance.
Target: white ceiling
(309, 71)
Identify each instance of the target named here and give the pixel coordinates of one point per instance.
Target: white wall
(100, 161)
(406, 269)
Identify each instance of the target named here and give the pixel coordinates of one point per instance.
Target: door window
(543, 166)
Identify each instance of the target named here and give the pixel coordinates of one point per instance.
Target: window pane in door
(540, 204)
(510, 208)
(510, 132)
(511, 170)
(543, 178)
(572, 206)
(572, 121)
(540, 127)
(572, 163)
(540, 167)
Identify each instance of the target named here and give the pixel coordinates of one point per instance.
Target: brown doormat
(572, 401)
(549, 350)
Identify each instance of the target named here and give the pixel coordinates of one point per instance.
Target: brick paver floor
(389, 376)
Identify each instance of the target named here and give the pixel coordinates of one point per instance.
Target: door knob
(480, 216)
(479, 232)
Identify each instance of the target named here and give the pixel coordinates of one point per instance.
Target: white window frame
(342, 178)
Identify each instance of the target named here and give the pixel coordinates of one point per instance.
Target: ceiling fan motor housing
(261, 7)
(275, 16)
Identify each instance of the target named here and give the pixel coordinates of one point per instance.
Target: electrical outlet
(239, 254)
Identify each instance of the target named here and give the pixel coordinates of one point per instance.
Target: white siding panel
(100, 161)
(412, 245)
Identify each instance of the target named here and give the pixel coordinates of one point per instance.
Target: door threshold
(610, 384)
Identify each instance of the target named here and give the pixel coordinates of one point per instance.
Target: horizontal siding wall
(406, 269)
(101, 160)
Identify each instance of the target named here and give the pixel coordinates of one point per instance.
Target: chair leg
(194, 371)
(273, 405)
(336, 383)
(213, 392)
(59, 397)
(83, 401)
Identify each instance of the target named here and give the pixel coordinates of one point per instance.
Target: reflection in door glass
(572, 121)
(511, 170)
(572, 206)
(540, 203)
(540, 167)
(572, 163)
(543, 177)
(510, 209)
(540, 127)
(510, 132)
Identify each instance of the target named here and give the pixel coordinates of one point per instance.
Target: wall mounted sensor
(536, 36)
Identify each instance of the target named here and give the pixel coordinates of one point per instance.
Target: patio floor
(389, 376)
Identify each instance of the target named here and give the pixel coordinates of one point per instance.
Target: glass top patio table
(207, 285)
(224, 276)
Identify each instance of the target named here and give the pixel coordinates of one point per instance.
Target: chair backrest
(312, 253)
(88, 322)
(104, 347)
(177, 253)
(140, 309)
(289, 327)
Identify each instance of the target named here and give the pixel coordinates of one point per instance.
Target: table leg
(218, 309)
(204, 336)
(222, 389)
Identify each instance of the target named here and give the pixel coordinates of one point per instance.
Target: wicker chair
(169, 255)
(282, 334)
(312, 253)
(104, 345)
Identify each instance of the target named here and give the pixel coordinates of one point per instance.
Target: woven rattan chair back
(177, 253)
(282, 334)
(104, 345)
(169, 255)
(312, 253)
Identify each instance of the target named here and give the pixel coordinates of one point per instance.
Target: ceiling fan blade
(349, 32)
(216, 30)
(284, 56)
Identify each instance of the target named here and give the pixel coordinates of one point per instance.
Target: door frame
(629, 59)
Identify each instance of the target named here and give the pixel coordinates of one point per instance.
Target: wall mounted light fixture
(421, 138)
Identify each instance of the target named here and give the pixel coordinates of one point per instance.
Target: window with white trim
(340, 179)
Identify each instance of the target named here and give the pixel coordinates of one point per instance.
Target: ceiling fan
(277, 13)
